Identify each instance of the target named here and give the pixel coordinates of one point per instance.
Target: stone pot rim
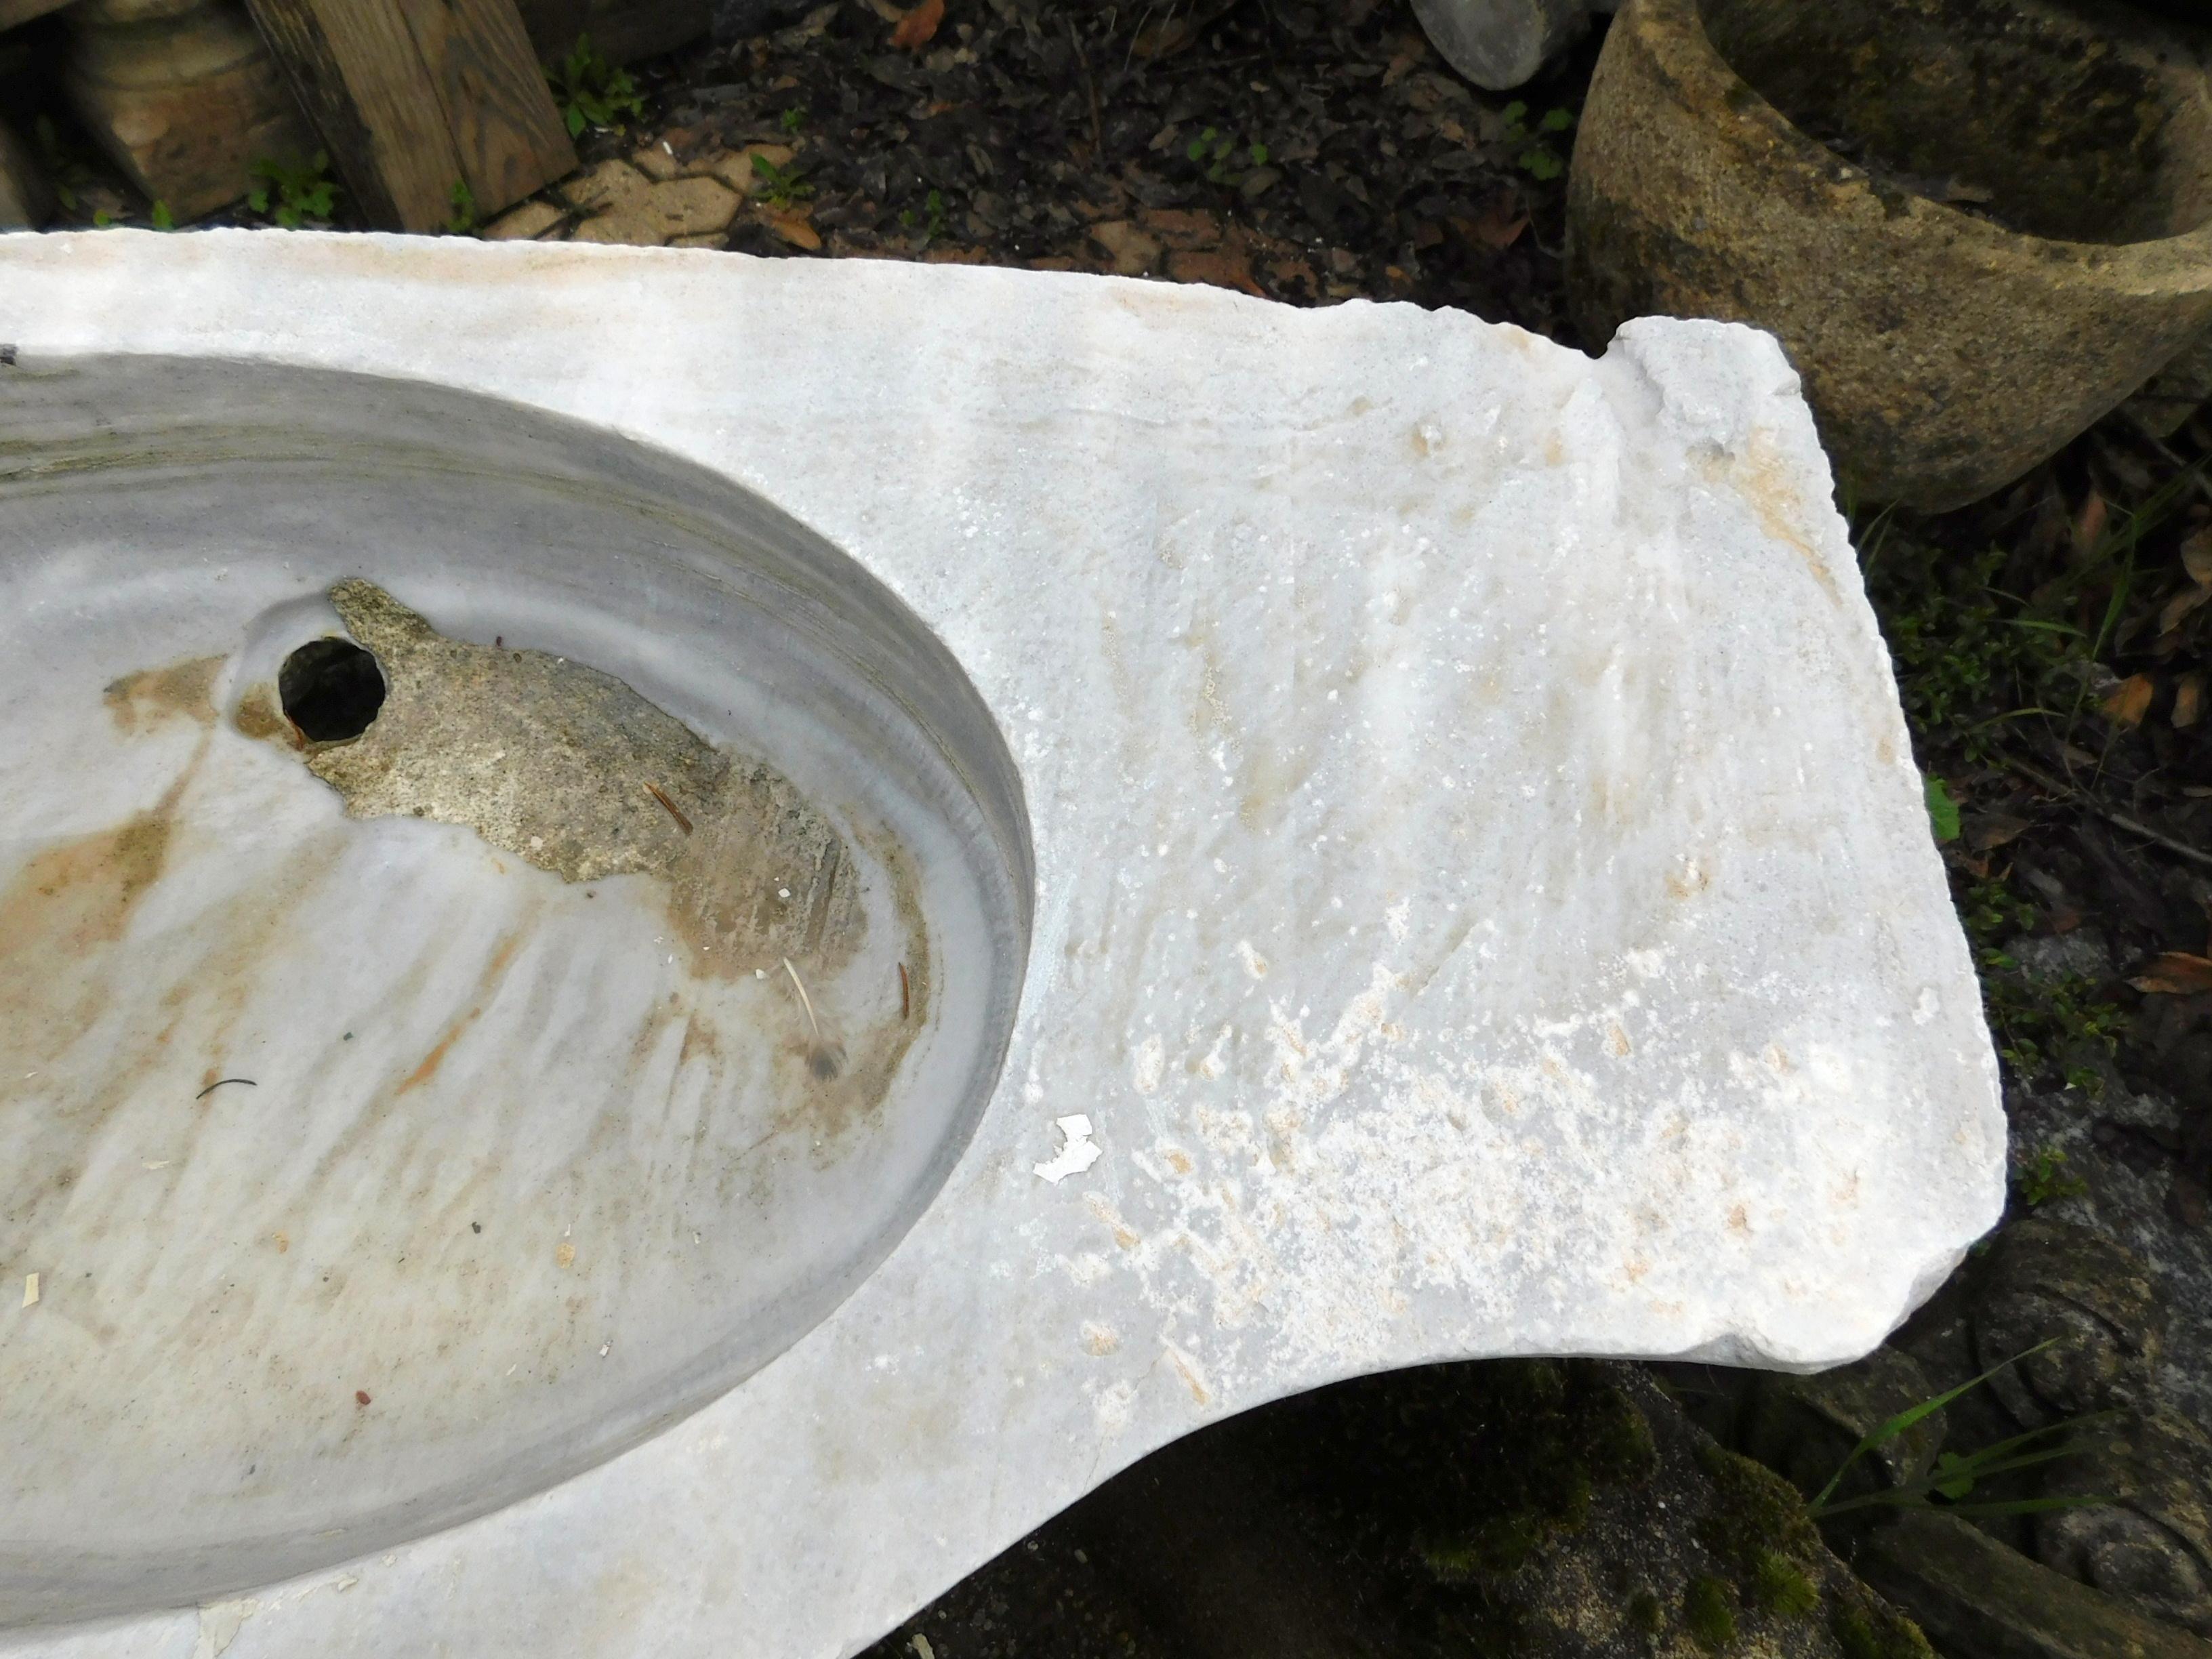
(1674, 35)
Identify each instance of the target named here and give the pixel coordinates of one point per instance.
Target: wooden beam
(414, 96)
(500, 114)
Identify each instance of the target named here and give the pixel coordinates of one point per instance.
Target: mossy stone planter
(1975, 225)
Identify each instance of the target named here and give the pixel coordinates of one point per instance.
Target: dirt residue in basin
(181, 690)
(573, 771)
(69, 903)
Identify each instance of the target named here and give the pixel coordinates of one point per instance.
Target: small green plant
(592, 92)
(1942, 810)
(2045, 1025)
(2047, 1178)
(464, 219)
(781, 186)
(2041, 1024)
(161, 218)
(1219, 153)
(1538, 159)
(1955, 1476)
(932, 220)
(1963, 647)
(792, 119)
(294, 196)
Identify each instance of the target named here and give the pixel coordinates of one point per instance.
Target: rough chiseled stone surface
(1484, 901)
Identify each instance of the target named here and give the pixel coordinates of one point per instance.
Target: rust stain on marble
(181, 690)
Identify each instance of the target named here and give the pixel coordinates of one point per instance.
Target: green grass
(1982, 669)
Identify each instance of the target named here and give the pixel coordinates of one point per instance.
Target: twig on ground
(2119, 820)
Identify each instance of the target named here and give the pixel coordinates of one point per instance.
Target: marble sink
(683, 938)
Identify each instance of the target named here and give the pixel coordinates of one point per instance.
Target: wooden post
(415, 96)
(24, 199)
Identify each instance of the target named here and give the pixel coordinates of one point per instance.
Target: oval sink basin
(500, 933)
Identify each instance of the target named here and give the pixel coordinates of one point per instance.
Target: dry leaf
(793, 228)
(1498, 226)
(2089, 524)
(2131, 702)
(1224, 267)
(1182, 227)
(1986, 831)
(1133, 252)
(919, 26)
(1408, 55)
(2175, 974)
(2197, 558)
(2188, 701)
(2177, 609)
(1161, 39)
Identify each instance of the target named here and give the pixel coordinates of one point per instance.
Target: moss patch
(1871, 1630)
(1755, 1514)
(1646, 1614)
(1779, 1587)
(1708, 1613)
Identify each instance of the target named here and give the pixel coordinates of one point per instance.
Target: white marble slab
(1484, 900)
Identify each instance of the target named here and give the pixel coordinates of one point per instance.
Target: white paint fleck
(1077, 1153)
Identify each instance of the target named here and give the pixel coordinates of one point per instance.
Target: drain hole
(331, 690)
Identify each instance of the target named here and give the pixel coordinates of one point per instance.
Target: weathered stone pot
(184, 96)
(1975, 225)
